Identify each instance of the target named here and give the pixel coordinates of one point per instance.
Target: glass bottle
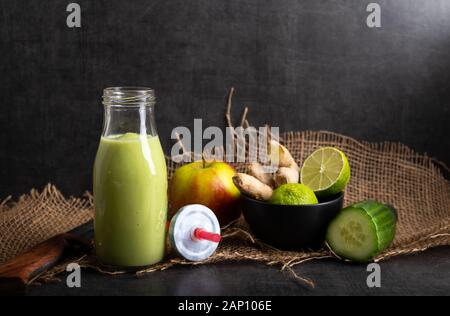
(130, 181)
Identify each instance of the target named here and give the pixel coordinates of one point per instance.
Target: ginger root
(286, 175)
(288, 171)
(257, 170)
(252, 187)
(259, 183)
(280, 155)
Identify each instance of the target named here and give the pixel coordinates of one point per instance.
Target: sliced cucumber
(362, 231)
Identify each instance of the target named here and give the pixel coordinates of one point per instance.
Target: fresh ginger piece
(280, 155)
(257, 170)
(286, 175)
(252, 187)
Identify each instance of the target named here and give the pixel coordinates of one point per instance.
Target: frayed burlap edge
(38, 216)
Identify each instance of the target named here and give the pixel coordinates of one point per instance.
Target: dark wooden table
(424, 274)
(427, 273)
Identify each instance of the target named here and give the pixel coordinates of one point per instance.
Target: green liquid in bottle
(130, 193)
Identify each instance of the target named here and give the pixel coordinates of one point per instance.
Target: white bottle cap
(194, 232)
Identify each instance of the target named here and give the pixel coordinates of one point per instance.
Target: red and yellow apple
(207, 183)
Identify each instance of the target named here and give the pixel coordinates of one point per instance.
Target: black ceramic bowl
(291, 227)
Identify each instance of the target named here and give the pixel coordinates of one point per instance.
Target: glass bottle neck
(129, 110)
(119, 121)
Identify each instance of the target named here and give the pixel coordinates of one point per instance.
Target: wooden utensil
(18, 272)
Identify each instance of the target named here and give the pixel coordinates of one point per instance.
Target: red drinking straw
(204, 235)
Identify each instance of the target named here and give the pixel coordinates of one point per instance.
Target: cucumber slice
(362, 231)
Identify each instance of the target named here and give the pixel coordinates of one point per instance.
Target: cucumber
(362, 231)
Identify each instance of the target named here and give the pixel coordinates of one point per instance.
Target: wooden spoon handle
(40, 258)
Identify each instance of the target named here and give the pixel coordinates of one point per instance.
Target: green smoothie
(130, 194)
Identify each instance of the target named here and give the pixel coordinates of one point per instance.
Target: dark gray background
(297, 64)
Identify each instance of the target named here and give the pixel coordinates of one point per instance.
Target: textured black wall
(297, 64)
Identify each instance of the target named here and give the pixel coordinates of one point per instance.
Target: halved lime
(326, 171)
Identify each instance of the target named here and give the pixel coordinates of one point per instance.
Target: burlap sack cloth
(387, 172)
